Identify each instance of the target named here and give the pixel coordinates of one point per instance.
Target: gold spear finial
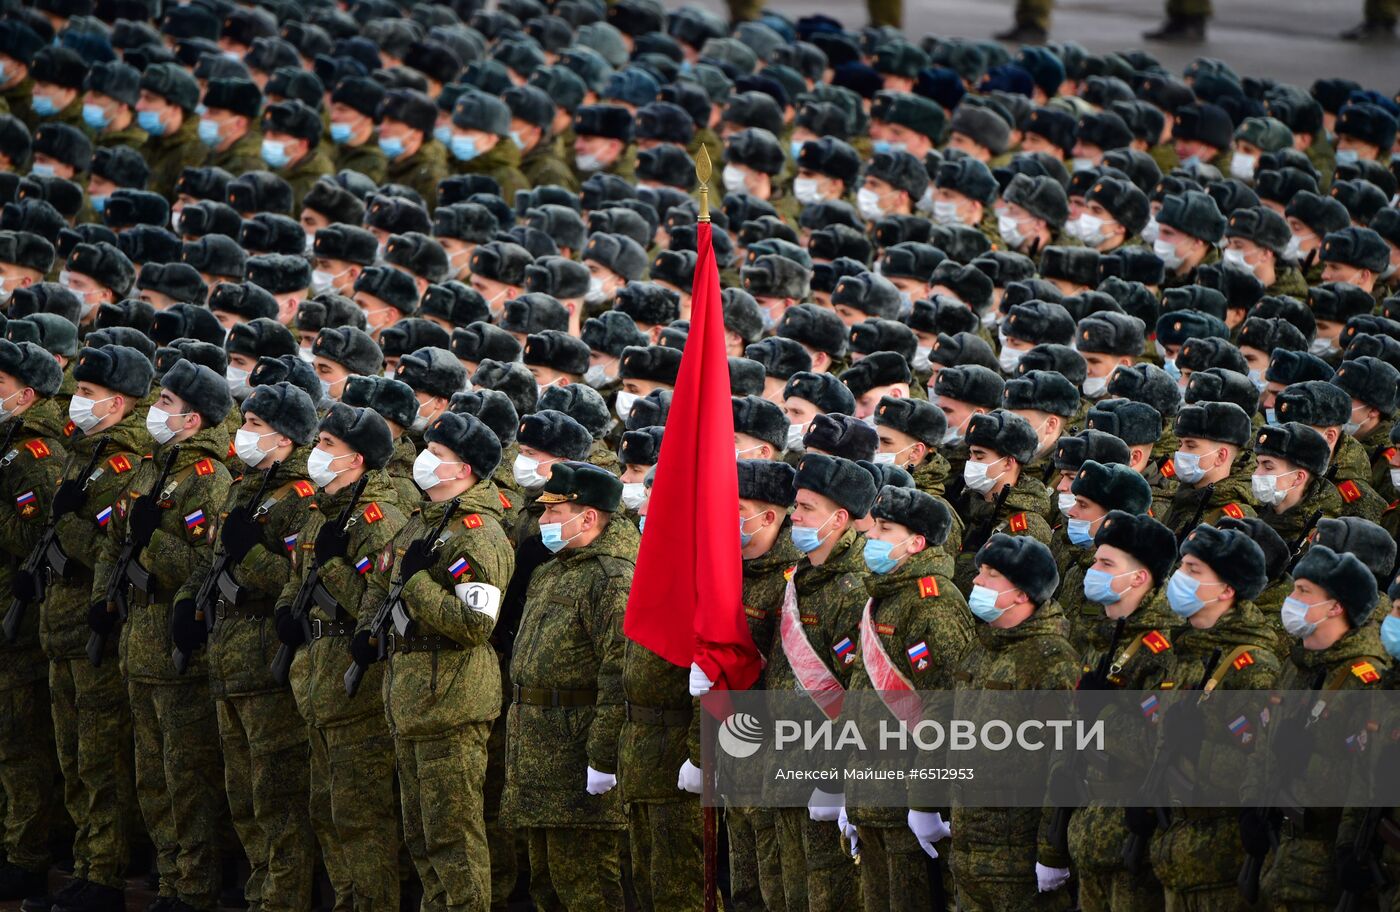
(702, 174)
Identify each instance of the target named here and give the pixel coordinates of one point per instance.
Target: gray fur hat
(1071, 451)
(883, 368)
(481, 341)
(1113, 486)
(286, 408)
(842, 435)
(555, 433)
(1042, 391)
(200, 389)
(361, 429)
(972, 384)
(1005, 433)
(469, 438)
(351, 348)
(1023, 560)
(760, 419)
(1135, 423)
(1296, 443)
(118, 368)
(509, 377)
(920, 513)
(580, 402)
(1225, 422)
(766, 481)
(32, 366)
(825, 391)
(434, 371)
(275, 369)
(1233, 555)
(840, 480)
(1148, 384)
(918, 418)
(493, 408)
(781, 358)
(392, 399)
(1316, 403)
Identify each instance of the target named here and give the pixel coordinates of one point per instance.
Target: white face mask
(305, 354)
(1293, 250)
(318, 467)
(1091, 229)
(322, 281)
(1323, 347)
(868, 202)
(425, 468)
(5, 293)
(158, 423)
(807, 190)
(735, 180)
(5, 412)
(596, 376)
(1094, 387)
(1010, 230)
(1065, 501)
(1235, 260)
(1166, 252)
(1395, 479)
(921, 354)
(625, 401)
(588, 163)
(80, 412)
(945, 212)
(794, 436)
(1080, 163)
(1149, 231)
(1242, 166)
(884, 458)
(237, 382)
(634, 494)
(976, 478)
(245, 444)
(420, 421)
(1266, 489)
(925, 203)
(526, 472)
(595, 293)
(1009, 358)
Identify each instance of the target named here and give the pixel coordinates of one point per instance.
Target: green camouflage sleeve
(602, 620)
(24, 511)
(180, 548)
(346, 581)
(97, 543)
(431, 597)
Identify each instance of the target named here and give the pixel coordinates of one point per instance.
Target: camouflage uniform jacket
(931, 477)
(19, 100)
(830, 599)
(243, 156)
(1161, 477)
(1230, 496)
(511, 495)
(366, 158)
(1321, 498)
(1289, 281)
(303, 175)
(244, 639)
(1378, 449)
(1351, 473)
(179, 548)
(428, 691)
(1180, 280)
(421, 170)
(30, 470)
(923, 625)
(765, 579)
(650, 751)
(1079, 611)
(501, 164)
(1034, 655)
(63, 626)
(570, 639)
(1140, 656)
(407, 497)
(171, 154)
(542, 165)
(318, 670)
(132, 136)
(1019, 509)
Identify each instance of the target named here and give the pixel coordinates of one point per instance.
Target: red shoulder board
(119, 464)
(232, 452)
(1233, 511)
(1243, 660)
(1390, 453)
(304, 488)
(1349, 491)
(373, 514)
(1365, 672)
(1168, 469)
(505, 501)
(204, 467)
(1017, 523)
(69, 428)
(928, 586)
(472, 521)
(37, 448)
(1156, 643)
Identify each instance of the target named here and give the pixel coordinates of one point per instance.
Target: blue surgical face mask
(1169, 365)
(99, 204)
(877, 555)
(41, 169)
(795, 147)
(1191, 162)
(150, 122)
(983, 603)
(1182, 594)
(1270, 416)
(209, 131)
(552, 535)
(881, 145)
(1098, 586)
(43, 105)
(808, 539)
(1390, 636)
(516, 138)
(1294, 615)
(275, 153)
(391, 146)
(745, 537)
(95, 117)
(464, 147)
(340, 133)
(1079, 533)
(443, 134)
(641, 524)
(1188, 467)
(1348, 156)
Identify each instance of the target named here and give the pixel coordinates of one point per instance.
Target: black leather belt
(544, 696)
(430, 642)
(646, 715)
(320, 628)
(225, 612)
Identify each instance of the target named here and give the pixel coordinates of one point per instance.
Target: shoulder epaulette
(69, 428)
(928, 587)
(1233, 511)
(1167, 469)
(373, 514)
(119, 463)
(505, 501)
(472, 521)
(1017, 522)
(1349, 491)
(1156, 642)
(232, 452)
(304, 488)
(204, 467)
(1365, 672)
(37, 448)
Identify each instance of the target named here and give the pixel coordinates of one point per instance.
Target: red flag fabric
(686, 603)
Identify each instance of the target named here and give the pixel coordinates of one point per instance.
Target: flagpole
(709, 815)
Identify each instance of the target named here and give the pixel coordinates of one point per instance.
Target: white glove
(699, 683)
(600, 783)
(1048, 880)
(942, 829)
(691, 779)
(825, 807)
(848, 830)
(928, 828)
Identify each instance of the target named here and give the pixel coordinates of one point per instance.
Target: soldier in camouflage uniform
(169, 95)
(910, 431)
(532, 113)
(1289, 483)
(21, 44)
(235, 143)
(1374, 387)
(1225, 645)
(1125, 648)
(352, 767)
(1327, 408)
(1002, 858)
(172, 715)
(354, 113)
(817, 651)
(396, 404)
(1139, 425)
(758, 871)
(1097, 489)
(263, 737)
(962, 392)
(114, 89)
(566, 675)
(30, 470)
(914, 632)
(1328, 614)
(442, 685)
(1048, 402)
(481, 142)
(90, 713)
(291, 147)
(415, 159)
(603, 142)
(1210, 466)
(999, 496)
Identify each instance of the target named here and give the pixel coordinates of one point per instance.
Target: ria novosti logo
(741, 735)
